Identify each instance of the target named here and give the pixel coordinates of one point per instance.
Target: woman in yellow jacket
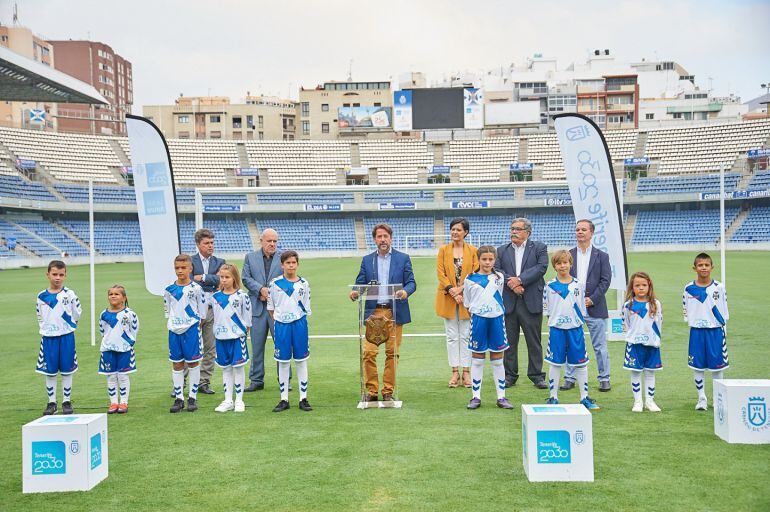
(456, 260)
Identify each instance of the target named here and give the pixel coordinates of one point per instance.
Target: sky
(229, 47)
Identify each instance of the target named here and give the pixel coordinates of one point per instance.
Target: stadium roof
(23, 79)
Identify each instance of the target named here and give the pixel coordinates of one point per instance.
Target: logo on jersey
(221, 330)
(236, 303)
(553, 447)
(715, 295)
(124, 321)
(563, 320)
(65, 301)
(49, 458)
(754, 414)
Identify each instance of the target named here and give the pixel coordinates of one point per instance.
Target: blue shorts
(232, 352)
(57, 355)
(185, 347)
(566, 345)
(291, 341)
(117, 362)
(487, 334)
(642, 357)
(708, 349)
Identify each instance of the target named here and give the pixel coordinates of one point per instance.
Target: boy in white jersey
(564, 304)
(232, 319)
(705, 310)
(483, 296)
(288, 304)
(119, 327)
(185, 306)
(642, 321)
(58, 311)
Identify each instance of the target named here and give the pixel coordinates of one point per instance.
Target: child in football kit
(483, 296)
(564, 304)
(58, 311)
(705, 310)
(185, 306)
(288, 304)
(119, 327)
(642, 321)
(232, 319)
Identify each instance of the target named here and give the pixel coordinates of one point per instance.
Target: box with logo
(557, 443)
(64, 453)
(740, 410)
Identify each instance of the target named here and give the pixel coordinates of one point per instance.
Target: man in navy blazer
(385, 266)
(523, 262)
(205, 268)
(591, 267)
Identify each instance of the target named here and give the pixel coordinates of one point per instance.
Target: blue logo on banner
(470, 204)
(636, 162)
(757, 153)
(553, 447)
(221, 207)
(439, 169)
(402, 98)
(49, 458)
(520, 167)
(96, 450)
(397, 206)
(157, 174)
(332, 207)
(154, 202)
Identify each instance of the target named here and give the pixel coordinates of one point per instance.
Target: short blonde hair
(561, 255)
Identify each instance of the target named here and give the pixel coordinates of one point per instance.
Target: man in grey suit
(524, 263)
(260, 267)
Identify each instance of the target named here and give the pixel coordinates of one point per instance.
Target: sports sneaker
(590, 404)
(225, 406)
(651, 405)
(552, 400)
(503, 403)
(282, 406)
(305, 405)
(122, 408)
(239, 406)
(192, 406)
(178, 405)
(475, 403)
(50, 409)
(637, 406)
(702, 405)
(113, 409)
(66, 407)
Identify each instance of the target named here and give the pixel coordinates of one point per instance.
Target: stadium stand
(299, 161)
(395, 161)
(30, 241)
(18, 188)
(416, 196)
(755, 228)
(482, 160)
(314, 234)
(680, 226)
(555, 229)
(417, 232)
(760, 181)
(479, 194)
(294, 198)
(686, 184)
(112, 237)
(232, 235)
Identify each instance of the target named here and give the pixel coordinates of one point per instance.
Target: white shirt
(204, 263)
(118, 330)
(185, 306)
(483, 294)
(642, 327)
(288, 300)
(705, 307)
(564, 304)
(581, 265)
(58, 313)
(232, 314)
(518, 253)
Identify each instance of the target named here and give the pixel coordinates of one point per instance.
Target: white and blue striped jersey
(118, 329)
(642, 327)
(185, 306)
(564, 304)
(58, 313)
(705, 307)
(288, 300)
(483, 294)
(232, 314)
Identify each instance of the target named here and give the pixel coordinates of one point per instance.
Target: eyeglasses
(518, 229)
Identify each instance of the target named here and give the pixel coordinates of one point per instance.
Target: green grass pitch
(431, 455)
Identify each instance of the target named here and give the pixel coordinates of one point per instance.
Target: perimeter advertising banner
(592, 187)
(402, 111)
(155, 202)
(473, 108)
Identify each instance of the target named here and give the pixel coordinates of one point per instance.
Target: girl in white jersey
(642, 321)
(119, 327)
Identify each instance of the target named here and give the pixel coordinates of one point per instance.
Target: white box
(740, 410)
(64, 453)
(557, 443)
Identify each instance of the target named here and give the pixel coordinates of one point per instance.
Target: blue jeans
(597, 329)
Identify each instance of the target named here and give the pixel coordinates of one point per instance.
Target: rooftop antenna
(350, 71)
(15, 14)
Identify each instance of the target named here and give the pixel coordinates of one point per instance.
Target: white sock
(717, 375)
(227, 383)
(112, 388)
(125, 387)
(581, 376)
(636, 385)
(649, 383)
(554, 374)
(66, 387)
(177, 377)
(302, 378)
(498, 372)
(283, 379)
(239, 377)
(477, 375)
(194, 376)
(700, 382)
(50, 387)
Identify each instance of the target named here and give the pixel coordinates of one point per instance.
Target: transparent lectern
(375, 328)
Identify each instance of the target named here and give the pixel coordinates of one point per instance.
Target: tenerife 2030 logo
(49, 458)
(553, 447)
(754, 414)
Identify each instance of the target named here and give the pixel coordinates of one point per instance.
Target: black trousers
(531, 324)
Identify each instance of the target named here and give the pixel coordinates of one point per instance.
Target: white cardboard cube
(557, 443)
(741, 410)
(64, 453)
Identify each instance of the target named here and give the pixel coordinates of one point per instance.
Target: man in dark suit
(205, 268)
(592, 269)
(524, 263)
(259, 268)
(385, 266)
